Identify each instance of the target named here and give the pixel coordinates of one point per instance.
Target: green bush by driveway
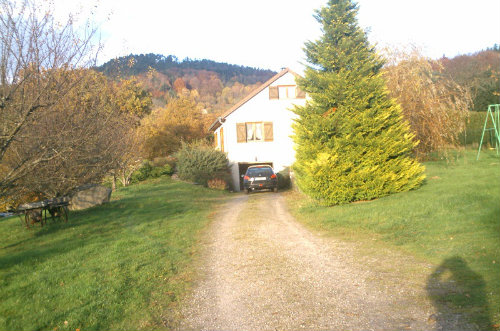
(199, 163)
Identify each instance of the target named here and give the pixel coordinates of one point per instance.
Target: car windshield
(259, 172)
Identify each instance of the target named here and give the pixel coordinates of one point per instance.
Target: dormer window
(286, 92)
(282, 92)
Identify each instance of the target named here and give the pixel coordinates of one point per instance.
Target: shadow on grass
(144, 206)
(458, 293)
(38, 254)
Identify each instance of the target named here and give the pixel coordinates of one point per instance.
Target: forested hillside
(215, 86)
(480, 73)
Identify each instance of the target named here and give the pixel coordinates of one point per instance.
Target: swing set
(494, 130)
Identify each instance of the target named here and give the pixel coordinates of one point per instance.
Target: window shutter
(300, 94)
(216, 143)
(222, 139)
(241, 132)
(268, 131)
(273, 92)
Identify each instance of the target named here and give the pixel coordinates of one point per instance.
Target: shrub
(199, 163)
(147, 171)
(474, 129)
(143, 173)
(160, 161)
(284, 181)
(156, 172)
(217, 183)
(172, 161)
(167, 160)
(165, 170)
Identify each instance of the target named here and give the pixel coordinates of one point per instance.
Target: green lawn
(123, 265)
(452, 221)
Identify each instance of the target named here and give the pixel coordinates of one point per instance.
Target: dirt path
(264, 271)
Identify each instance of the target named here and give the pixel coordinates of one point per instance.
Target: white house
(258, 129)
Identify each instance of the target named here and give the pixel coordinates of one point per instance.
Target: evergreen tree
(351, 140)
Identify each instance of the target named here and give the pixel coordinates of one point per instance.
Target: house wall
(280, 151)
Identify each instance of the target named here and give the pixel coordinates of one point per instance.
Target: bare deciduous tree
(435, 106)
(37, 55)
(81, 137)
(130, 158)
(134, 103)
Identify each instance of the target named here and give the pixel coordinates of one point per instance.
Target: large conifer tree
(351, 140)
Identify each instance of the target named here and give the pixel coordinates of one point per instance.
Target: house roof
(218, 122)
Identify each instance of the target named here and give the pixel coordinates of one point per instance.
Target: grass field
(453, 221)
(126, 265)
(123, 265)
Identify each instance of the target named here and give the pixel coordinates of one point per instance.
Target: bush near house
(217, 184)
(284, 180)
(199, 163)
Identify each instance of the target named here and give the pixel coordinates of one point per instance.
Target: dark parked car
(260, 177)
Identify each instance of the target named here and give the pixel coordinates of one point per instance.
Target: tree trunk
(123, 180)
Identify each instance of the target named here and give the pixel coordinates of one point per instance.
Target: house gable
(274, 90)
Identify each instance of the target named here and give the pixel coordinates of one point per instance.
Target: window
(285, 92)
(260, 172)
(254, 132)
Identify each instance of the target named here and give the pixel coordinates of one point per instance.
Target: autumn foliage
(479, 73)
(166, 128)
(63, 124)
(79, 139)
(435, 106)
(218, 85)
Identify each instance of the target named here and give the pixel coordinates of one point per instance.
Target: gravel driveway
(262, 270)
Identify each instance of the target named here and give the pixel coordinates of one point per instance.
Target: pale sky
(270, 34)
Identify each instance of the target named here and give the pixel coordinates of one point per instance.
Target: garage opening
(243, 166)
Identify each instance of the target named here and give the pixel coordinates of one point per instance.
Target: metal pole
(494, 119)
(482, 135)
(497, 113)
(494, 114)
